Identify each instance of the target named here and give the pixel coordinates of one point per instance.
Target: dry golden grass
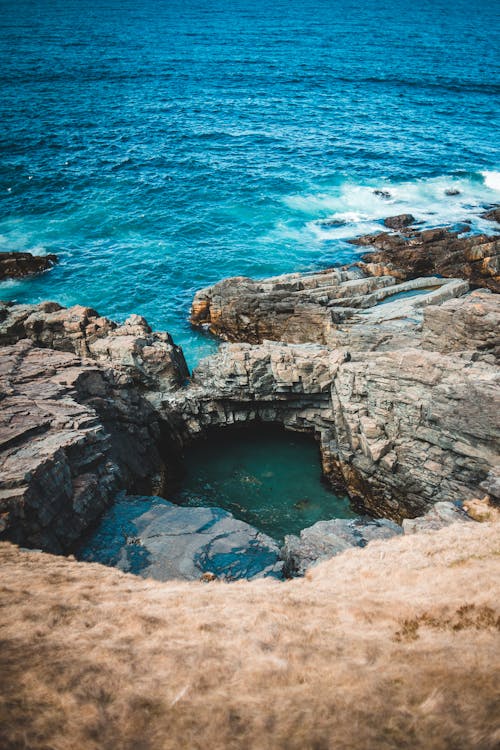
(394, 646)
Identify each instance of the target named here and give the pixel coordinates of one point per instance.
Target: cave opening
(267, 476)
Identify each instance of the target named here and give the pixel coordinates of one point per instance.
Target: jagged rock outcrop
(412, 253)
(401, 428)
(155, 364)
(332, 308)
(160, 540)
(493, 214)
(400, 221)
(73, 431)
(15, 265)
(439, 516)
(326, 539)
(402, 394)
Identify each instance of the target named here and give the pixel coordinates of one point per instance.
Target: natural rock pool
(241, 492)
(264, 475)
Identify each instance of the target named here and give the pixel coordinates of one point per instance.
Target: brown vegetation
(394, 646)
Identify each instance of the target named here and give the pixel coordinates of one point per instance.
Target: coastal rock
(165, 541)
(468, 323)
(332, 308)
(412, 253)
(493, 214)
(152, 360)
(18, 265)
(401, 428)
(72, 432)
(399, 222)
(439, 516)
(402, 397)
(326, 539)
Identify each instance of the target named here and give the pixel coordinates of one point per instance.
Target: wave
(350, 209)
(492, 180)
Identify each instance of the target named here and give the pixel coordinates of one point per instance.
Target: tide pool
(263, 475)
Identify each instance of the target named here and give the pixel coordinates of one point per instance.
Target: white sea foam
(351, 209)
(492, 180)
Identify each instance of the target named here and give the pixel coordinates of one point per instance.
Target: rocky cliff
(404, 405)
(397, 379)
(75, 420)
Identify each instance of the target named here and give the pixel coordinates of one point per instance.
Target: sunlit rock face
(445, 251)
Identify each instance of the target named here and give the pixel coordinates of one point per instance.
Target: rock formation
(325, 539)
(444, 251)
(18, 265)
(161, 540)
(75, 422)
(397, 379)
(396, 398)
(323, 308)
(493, 214)
(155, 364)
(399, 222)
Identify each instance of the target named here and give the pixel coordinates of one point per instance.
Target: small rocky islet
(391, 363)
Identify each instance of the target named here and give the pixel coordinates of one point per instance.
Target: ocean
(158, 147)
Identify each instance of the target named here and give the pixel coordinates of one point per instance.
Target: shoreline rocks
(397, 379)
(15, 265)
(443, 251)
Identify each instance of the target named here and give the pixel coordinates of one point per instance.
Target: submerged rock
(157, 539)
(18, 265)
(326, 539)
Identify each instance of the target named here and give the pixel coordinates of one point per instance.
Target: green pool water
(264, 476)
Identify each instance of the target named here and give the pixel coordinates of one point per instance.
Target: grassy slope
(394, 646)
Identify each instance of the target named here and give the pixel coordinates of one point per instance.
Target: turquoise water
(267, 477)
(160, 146)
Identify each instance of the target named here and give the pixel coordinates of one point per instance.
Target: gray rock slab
(157, 539)
(326, 539)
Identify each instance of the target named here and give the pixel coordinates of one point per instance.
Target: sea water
(159, 146)
(263, 475)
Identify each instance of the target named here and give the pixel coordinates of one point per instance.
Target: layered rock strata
(412, 252)
(77, 418)
(401, 429)
(18, 265)
(152, 360)
(71, 434)
(330, 307)
(397, 380)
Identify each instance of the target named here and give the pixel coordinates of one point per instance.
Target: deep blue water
(159, 146)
